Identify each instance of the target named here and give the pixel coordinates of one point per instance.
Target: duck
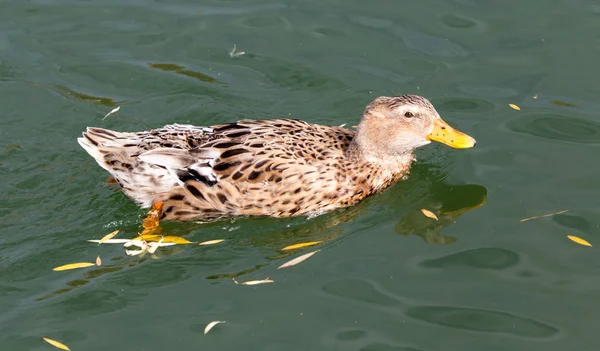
(269, 168)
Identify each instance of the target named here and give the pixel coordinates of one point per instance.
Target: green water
(386, 278)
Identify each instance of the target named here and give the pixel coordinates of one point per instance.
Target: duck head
(393, 127)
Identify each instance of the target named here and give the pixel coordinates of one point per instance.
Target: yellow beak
(445, 134)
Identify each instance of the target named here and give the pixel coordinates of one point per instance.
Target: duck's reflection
(448, 202)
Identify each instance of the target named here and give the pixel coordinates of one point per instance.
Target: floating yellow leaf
(57, 344)
(300, 245)
(514, 107)
(108, 237)
(578, 240)
(211, 242)
(98, 261)
(165, 239)
(210, 325)
(297, 260)
(254, 282)
(429, 214)
(73, 266)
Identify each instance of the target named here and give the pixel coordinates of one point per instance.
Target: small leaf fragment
(98, 261)
(210, 325)
(578, 240)
(73, 266)
(300, 245)
(254, 282)
(211, 242)
(297, 260)
(514, 107)
(57, 344)
(543, 216)
(111, 241)
(429, 214)
(108, 237)
(164, 239)
(112, 111)
(134, 252)
(152, 246)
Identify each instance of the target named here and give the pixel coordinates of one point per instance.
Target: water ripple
(482, 321)
(485, 258)
(556, 127)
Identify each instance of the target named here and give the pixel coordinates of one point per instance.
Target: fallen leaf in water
(98, 261)
(164, 239)
(297, 260)
(233, 52)
(112, 111)
(152, 246)
(108, 237)
(57, 344)
(354, 127)
(542, 216)
(111, 241)
(300, 245)
(429, 214)
(144, 246)
(134, 252)
(73, 266)
(562, 103)
(514, 107)
(254, 282)
(211, 242)
(210, 325)
(578, 240)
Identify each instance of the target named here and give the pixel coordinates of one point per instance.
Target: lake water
(387, 277)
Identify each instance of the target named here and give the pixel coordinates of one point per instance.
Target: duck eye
(409, 114)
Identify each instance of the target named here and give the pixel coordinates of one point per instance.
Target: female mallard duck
(276, 168)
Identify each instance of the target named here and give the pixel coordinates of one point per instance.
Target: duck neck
(362, 150)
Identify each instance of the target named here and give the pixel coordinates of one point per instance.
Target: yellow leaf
(579, 240)
(297, 260)
(300, 245)
(254, 282)
(211, 242)
(108, 237)
(429, 214)
(210, 325)
(165, 239)
(73, 266)
(57, 344)
(98, 261)
(514, 107)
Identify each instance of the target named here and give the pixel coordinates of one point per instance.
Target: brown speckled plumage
(276, 168)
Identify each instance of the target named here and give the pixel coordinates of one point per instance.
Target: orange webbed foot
(151, 222)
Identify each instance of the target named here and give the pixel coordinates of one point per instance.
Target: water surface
(386, 278)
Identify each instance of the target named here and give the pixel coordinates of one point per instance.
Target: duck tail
(117, 152)
(99, 142)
